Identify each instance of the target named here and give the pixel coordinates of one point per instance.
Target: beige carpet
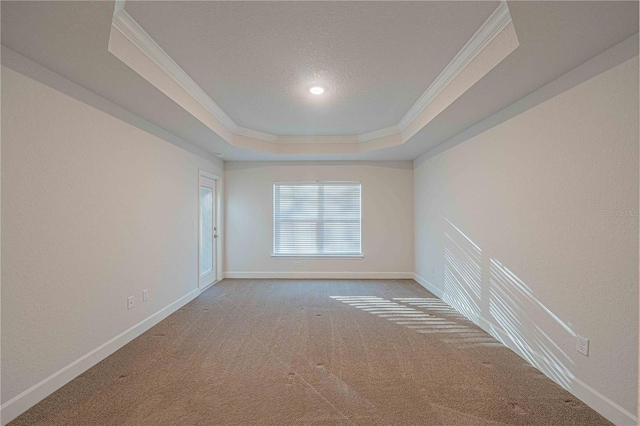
(277, 352)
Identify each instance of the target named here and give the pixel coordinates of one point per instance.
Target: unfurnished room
(319, 213)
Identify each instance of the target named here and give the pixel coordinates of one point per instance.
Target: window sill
(318, 256)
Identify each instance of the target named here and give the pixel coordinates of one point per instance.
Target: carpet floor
(316, 352)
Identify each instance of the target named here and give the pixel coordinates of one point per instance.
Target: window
(316, 219)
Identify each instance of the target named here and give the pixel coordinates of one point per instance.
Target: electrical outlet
(582, 345)
(296, 263)
(130, 302)
(145, 295)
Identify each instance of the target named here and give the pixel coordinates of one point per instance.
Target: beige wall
(387, 219)
(531, 227)
(94, 210)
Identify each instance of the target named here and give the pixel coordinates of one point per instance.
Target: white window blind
(316, 219)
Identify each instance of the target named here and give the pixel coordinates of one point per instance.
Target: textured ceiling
(70, 38)
(256, 60)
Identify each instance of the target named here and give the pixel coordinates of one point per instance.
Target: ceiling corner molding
(132, 31)
(172, 80)
(317, 139)
(267, 137)
(118, 6)
(496, 22)
(381, 133)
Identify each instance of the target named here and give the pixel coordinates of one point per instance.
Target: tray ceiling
(272, 79)
(257, 60)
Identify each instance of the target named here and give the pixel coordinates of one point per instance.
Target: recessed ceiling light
(317, 90)
(219, 154)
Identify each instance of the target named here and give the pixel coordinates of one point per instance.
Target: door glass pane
(206, 230)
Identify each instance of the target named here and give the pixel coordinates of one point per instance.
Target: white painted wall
(110, 211)
(387, 219)
(94, 210)
(532, 227)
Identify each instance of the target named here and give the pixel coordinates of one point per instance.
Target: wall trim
(36, 393)
(429, 286)
(128, 27)
(594, 399)
(208, 286)
(320, 275)
(301, 139)
(18, 63)
(381, 133)
(496, 22)
(603, 405)
(316, 139)
(255, 134)
(616, 55)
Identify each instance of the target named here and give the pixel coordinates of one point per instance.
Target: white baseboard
(208, 286)
(321, 275)
(429, 286)
(594, 399)
(603, 405)
(36, 393)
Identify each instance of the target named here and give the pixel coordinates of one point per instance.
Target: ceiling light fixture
(317, 90)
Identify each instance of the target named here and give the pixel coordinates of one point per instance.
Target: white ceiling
(71, 38)
(257, 60)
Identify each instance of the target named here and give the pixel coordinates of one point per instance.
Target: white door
(208, 232)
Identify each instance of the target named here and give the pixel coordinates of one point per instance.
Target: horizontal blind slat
(318, 218)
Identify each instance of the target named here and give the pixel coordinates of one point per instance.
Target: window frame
(311, 256)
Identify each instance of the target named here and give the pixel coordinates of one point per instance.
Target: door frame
(218, 225)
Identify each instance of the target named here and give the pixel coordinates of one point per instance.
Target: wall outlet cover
(582, 345)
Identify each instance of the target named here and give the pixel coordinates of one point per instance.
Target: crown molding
(496, 22)
(317, 139)
(118, 6)
(130, 29)
(296, 139)
(267, 137)
(379, 133)
(141, 40)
